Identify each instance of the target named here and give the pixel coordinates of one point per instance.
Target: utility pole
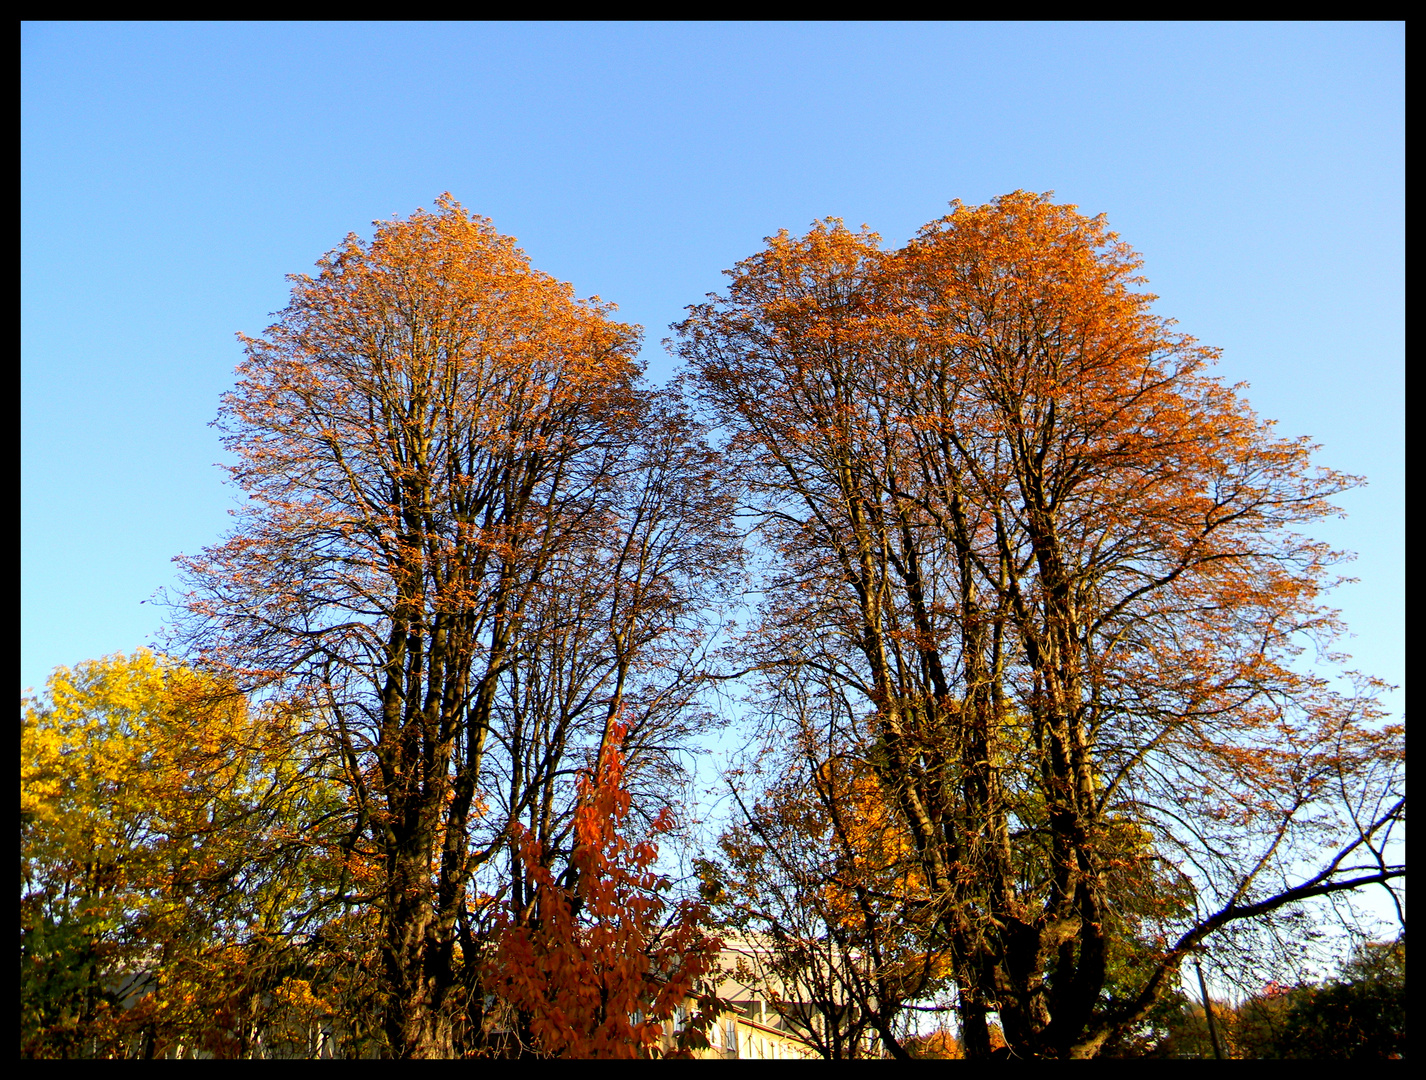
(1208, 1010)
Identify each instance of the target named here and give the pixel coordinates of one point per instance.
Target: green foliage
(1360, 1015)
(61, 999)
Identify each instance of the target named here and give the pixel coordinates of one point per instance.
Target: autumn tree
(474, 539)
(602, 964)
(172, 863)
(1056, 563)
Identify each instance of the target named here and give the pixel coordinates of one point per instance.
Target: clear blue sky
(172, 174)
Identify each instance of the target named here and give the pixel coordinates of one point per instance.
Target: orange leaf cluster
(597, 971)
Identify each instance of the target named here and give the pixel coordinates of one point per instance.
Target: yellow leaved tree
(174, 868)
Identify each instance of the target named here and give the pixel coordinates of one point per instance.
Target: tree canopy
(1055, 563)
(475, 540)
(179, 863)
(1030, 677)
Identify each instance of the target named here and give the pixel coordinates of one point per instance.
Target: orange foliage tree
(595, 970)
(473, 539)
(1056, 563)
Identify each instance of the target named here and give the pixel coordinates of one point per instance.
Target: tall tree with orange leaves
(1056, 563)
(474, 540)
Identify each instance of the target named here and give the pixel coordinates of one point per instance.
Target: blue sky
(173, 174)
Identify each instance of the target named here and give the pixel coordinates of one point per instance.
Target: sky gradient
(171, 175)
